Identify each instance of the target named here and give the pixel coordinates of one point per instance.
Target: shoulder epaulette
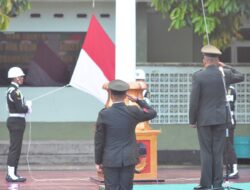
(198, 71)
(103, 109)
(10, 89)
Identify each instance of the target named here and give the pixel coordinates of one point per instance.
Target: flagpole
(125, 40)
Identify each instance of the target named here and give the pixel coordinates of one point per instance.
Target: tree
(224, 18)
(11, 8)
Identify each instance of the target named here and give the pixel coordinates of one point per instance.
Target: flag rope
(30, 143)
(204, 17)
(44, 179)
(48, 93)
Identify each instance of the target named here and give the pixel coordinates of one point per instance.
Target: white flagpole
(125, 40)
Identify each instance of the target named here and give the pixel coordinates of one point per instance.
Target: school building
(48, 37)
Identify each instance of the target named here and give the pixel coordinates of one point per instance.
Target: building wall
(154, 44)
(170, 93)
(141, 32)
(62, 104)
(152, 35)
(61, 113)
(56, 104)
(48, 23)
(169, 87)
(171, 46)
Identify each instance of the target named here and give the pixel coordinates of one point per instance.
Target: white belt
(16, 115)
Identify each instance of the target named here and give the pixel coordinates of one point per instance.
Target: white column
(125, 40)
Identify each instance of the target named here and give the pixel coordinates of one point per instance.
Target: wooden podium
(146, 137)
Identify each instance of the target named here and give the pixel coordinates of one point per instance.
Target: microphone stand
(228, 111)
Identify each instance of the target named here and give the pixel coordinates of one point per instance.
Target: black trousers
(212, 141)
(16, 127)
(119, 178)
(229, 152)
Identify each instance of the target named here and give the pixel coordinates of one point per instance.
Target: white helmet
(140, 74)
(15, 72)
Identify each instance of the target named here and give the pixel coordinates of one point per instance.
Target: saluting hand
(131, 98)
(220, 64)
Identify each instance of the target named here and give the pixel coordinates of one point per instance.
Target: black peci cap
(118, 86)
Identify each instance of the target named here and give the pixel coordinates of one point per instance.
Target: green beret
(118, 85)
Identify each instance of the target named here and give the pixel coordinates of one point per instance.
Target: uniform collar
(118, 103)
(15, 84)
(212, 66)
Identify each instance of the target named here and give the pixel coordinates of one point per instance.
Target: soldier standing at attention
(16, 122)
(140, 76)
(230, 157)
(208, 112)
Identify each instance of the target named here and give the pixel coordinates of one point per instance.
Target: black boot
(20, 178)
(229, 169)
(234, 173)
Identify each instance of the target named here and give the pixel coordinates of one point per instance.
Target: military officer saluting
(116, 150)
(208, 113)
(18, 109)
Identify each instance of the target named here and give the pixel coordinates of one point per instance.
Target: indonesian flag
(96, 62)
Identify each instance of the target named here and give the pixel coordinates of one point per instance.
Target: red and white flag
(96, 62)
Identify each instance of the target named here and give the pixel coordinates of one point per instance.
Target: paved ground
(80, 180)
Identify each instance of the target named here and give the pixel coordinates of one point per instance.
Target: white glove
(29, 104)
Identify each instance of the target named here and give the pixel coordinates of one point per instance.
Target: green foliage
(4, 21)
(11, 8)
(223, 17)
